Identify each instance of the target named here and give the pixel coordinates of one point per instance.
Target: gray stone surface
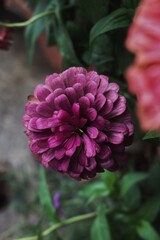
(17, 81)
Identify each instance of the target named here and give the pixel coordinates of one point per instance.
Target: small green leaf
(120, 18)
(100, 229)
(129, 180)
(94, 190)
(45, 198)
(151, 134)
(146, 231)
(110, 179)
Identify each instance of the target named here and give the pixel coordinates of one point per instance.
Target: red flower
(5, 38)
(144, 75)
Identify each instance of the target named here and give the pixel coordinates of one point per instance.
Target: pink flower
(144, 75)
(77, 123)
(5, 38)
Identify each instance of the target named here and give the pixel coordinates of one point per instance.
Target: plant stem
(64, 223)
(32, 19)
(29, 21)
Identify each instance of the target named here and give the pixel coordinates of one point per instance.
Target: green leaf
(45, 198)
(94, 190)
(64, 41)
(100, 229)
(150, 209)
(132, 198)
(33, 31)
(129, 180)
(120, 18)
(151, 134)
(110, 179)
(146, 231)
(50, 33)
(66, 46)
(102, 51)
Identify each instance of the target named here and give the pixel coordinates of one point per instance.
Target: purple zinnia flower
(77, 123)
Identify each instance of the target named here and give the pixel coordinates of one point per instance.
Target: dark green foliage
(79, 28)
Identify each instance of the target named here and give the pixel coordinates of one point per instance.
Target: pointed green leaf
(120, 18)
(66, 46)
(45, 198)
(110, 179)
(129, 180)
(146, 231)
(151, 134)
(94, 190)
(100, 229)
(32, 33)
(64, 41)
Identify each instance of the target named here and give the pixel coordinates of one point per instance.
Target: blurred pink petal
(144, 75)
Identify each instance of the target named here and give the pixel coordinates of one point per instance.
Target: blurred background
(22, 185)
(17, 81)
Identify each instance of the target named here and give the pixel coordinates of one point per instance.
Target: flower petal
(93, 132)
(91, 165)
(103, 84)
(44, 109)
(41, 92)
(105, 152)
(51, 97)
(91, 114)
(62, 102)
(89, 146)
(119, 107)
(115, 138)
(71, 94)
(60, 165)
(100, 101)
